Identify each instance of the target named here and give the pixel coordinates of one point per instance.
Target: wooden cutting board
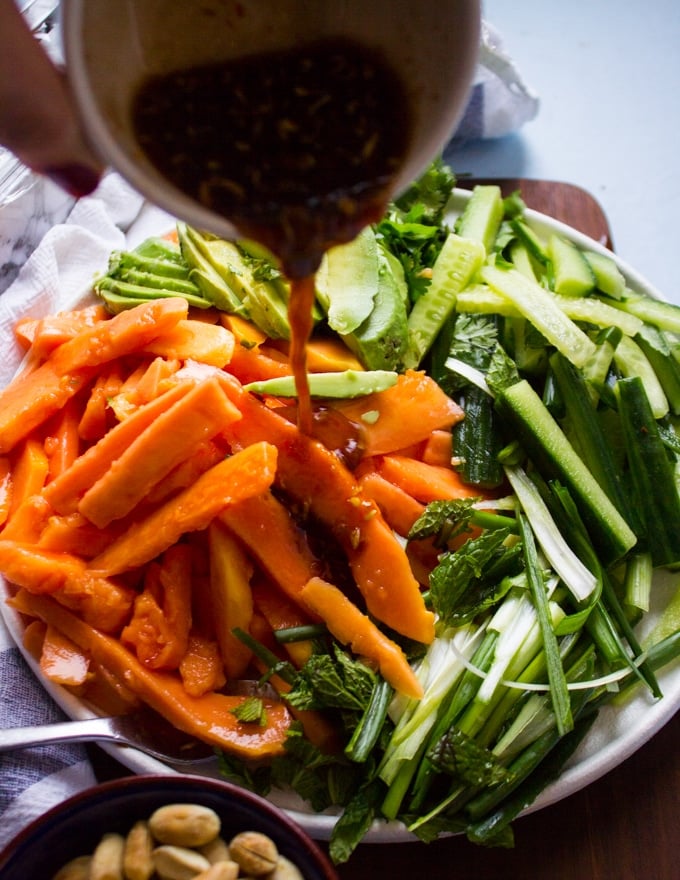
(563, 201)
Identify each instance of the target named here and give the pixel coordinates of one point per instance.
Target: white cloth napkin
(58, 272)
(500, 100)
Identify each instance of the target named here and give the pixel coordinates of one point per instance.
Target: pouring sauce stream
(298, 148)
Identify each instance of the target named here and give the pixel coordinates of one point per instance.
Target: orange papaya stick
(319, 481)
(28, 521)
(399, 508)
(255, 364)
(187, 472)
(245, 332)
(401, 415)
(194, 418)
(72, 533)
(54, 330)
(62, 661)
(155, 379)
(209, 717)
(101, 602)
(201, 666)
(195, 340)
(246, 473)
(63, 444)
(438, 449)
(35, 396)
(5, 489)
(425, 482)
(32, 637)
(25, 330)
(267, 529)
(64, 492)
(161, 618)
(30, 467)
(230, 597)
(280, 613)
(330, 355)
(43, 335)
(94, 422)
(352, 627)
(127, 332)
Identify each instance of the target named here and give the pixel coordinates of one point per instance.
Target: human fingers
(37, 120)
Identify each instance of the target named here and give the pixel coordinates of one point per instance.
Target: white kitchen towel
(56, 275)
(500, 100)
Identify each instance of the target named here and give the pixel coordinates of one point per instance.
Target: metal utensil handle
(66, 731)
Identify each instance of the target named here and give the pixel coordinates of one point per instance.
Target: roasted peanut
(152, 850)
(107, 859)
(255, 853)
(76, 869)
(184, 824)
(137, 856)
(223, 870)
(215, 851)
(178, 862)
(285, 870)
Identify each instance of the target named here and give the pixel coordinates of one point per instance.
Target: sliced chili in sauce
(297, 148)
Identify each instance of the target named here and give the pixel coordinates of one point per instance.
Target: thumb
(38, 122)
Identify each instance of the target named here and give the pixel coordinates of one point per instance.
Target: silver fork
(143, 730)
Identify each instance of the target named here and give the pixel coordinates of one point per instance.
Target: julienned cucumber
(546, 444)
(651, 473)
(589, 436)
(538, 305)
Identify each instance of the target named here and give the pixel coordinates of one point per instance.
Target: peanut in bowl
(76, 827)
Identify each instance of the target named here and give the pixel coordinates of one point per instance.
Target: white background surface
(607, 73)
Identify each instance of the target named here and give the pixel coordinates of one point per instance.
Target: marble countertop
(25, 220)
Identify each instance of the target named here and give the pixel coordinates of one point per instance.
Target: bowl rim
(131, 163)
(118, 788)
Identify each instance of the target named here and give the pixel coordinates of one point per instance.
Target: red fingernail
(78, 180)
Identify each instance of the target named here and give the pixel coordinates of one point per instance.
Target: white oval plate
(619, 730)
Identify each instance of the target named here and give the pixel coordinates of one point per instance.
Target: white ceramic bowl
(111, 47)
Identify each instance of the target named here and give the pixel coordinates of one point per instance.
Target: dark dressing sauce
(297, 148)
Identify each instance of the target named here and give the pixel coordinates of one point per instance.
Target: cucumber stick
(651, 473)
(664, 315)
(546, 444)
(572, 275)
(539, 306)
(592, 310)
(476, 440)
(456, 265)
(632, 361)
(658, 352)
(482, 216)
(608, 277)
(478, 298)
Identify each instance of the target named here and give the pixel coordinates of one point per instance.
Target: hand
(38, 122)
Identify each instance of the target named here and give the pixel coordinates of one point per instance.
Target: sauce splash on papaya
(298, 148)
